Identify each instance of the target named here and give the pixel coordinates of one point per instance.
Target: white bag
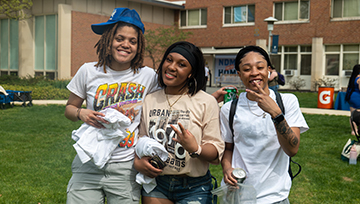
(345, 154)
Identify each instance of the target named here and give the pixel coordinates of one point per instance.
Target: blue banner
(224, 64)
(275, 44)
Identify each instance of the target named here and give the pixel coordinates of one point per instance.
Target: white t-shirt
(121, 90)
(256, 146)
(206, 71)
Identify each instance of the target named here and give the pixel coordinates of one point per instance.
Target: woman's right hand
(74, 112)
(228, 178)
(92, 118)
(143, 166)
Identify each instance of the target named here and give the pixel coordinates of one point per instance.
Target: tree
(14, 8)
(158, 40)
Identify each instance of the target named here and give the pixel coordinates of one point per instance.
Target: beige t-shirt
(199, 114)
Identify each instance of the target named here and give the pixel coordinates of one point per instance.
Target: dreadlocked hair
(103, 47)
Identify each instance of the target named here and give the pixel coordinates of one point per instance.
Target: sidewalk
(211, 90)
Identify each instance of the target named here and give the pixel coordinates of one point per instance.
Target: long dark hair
(351, 85)
(103, 47)
(197, 79)
(241, 54)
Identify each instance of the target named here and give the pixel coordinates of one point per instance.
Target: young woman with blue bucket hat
(117, 80)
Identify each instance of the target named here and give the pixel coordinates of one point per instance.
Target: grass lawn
(36, 154)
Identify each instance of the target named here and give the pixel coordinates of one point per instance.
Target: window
(46, 45)
(239, 14)
(193, 18)
(292, 10)
(350, 56)
(341, 57)
(276, 60)
(9, 47)
(294, 58)
(345, 8)
(290, 58)
(305, 60)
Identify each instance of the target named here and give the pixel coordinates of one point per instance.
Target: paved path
(213, 89)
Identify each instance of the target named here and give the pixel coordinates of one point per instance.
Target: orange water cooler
(326, 97)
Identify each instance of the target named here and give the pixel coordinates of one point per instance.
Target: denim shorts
(182, 190)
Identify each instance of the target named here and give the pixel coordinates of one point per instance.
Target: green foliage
(41, 87)
(325, 178)
(158, 40)
(36, 154)
(41, 92)
(36, 158)
(306, 99)
(33, 81)
(13, 9)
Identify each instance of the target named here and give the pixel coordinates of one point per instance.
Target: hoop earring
(195, 82)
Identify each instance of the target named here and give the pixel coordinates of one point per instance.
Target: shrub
(325, 81)
(39, 81)
(40, 87)
(41, 92)
(297, 83)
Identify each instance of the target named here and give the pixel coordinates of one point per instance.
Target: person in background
(206, 76)
(355, 115)
(117, 80)
(263, 138)
(353, 92)
(191, 134)
(273, 79)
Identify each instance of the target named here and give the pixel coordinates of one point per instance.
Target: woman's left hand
(265, 102)
(185, 138)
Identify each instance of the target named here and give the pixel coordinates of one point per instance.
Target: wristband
(197, 153)
(78, 113)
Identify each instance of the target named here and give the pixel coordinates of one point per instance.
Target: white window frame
(45, 71)
(298, 54)
(291, 53)
(341, 53)
(187, 19)
(232, 24)
(9, 70)
(342, 18)
(333, 53)
(299, 57)
(299, 20)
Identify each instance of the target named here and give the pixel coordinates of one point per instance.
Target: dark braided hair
(103, 47)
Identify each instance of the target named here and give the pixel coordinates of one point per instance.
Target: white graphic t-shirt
(121, 90)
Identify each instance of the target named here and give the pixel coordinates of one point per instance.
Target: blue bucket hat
(119, 15)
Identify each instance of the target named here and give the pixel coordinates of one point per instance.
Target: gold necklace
(171, 105)
(261, 115)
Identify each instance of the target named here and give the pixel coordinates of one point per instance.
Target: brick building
(316, 38)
